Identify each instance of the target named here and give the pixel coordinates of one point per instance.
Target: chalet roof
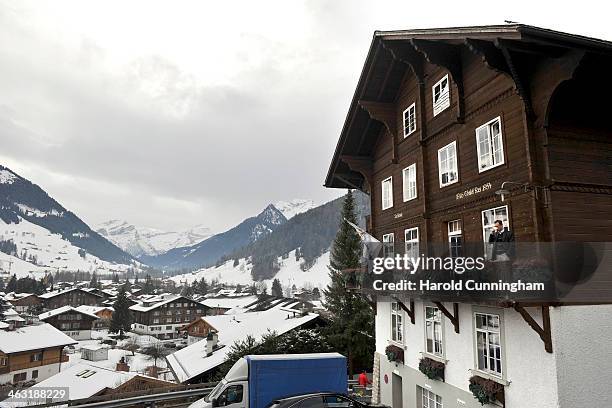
(230, 302)
(84, 381)
(55, 293)
(93, 309)
(141, 308)
(32, 338)
(381, 76)
(65, 309)
(192, 361)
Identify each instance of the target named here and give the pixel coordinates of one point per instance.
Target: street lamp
(502, 192)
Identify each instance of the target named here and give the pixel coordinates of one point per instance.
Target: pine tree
(147, 288)
(352, 319)
(115, 278)
(93, 283)
(277, 289)
(12, 284)
(121, 321)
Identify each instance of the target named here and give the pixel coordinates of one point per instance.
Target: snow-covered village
(305, 204)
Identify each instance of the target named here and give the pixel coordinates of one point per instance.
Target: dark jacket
(503, 243)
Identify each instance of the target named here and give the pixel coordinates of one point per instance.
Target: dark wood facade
(71, 320)
(176, 313)
(548, 90)
(71, 297)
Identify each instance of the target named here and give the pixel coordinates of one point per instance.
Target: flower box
(434, 370)
(395, 353)
(487, 391)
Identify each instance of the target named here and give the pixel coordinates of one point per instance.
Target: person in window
(503, 242)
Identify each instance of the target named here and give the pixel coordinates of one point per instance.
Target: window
(19, 377)
(430, 400)
(387, 193)
(490, 216)
(397, 329)
(409, 182)
(168, 327)
(447, 164)
(155, 321)
(388, 245)
(231, 395)
(34, 374)
(410, 120)
(433, 331)
(455, 240)
(36, 356)
(488, 343)
(177, 319)
(441, 95)
(489, 145)
(3, 361)
(411, 242)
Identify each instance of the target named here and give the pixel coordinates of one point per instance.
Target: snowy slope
(46, 252)
(139, 241)
(289, 274)
(294, 207)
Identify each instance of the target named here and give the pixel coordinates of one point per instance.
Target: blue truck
(255, 381)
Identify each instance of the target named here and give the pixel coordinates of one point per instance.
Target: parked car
(321, 400)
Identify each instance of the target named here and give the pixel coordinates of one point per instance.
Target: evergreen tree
(352, 319)
(121, 321)
(12, 284)
(93, 283)
(147, 288)
(277, 289)
(115, 278)
(135, 278)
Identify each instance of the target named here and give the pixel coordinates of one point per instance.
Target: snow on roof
(49, 295)
(93, 309)
(16, 296)
(32, 338)
(10, 312)
(230, 302)
(14, 319)
(83, 380)
(64, 309)
(141, 308)
(192, 361)
(93, 347)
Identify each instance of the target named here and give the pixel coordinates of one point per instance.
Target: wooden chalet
(449, 130)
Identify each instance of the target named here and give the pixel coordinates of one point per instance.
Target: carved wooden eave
(491, 56)
(385, 114)
(520, 80)
(453, 317)
(409, 310)
(362, 165)
(407, 54)
(349, 179)
(543, 331)
(447, 56)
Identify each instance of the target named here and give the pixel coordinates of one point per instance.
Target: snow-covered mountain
(38, 234)
(139, 241)
(294, 207)
(211, 250)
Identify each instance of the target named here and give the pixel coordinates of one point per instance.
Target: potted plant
(486, 391)
(433, 369)
(395, 353)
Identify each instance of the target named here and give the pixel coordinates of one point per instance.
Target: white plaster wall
(582, 342)
(44, 372)
(530, 370)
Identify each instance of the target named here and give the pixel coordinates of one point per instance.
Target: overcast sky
(172, 114)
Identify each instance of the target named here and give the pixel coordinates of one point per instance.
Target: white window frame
(487, 127)
(454, 231)
(411, 241)
(488, 333)
(486, 228)
(397, 323)
(443, 102)
(430, 399)
(409, 182)
(452, 146)
(389, 198)
(409, 117)
(388, 239)
(437, 336)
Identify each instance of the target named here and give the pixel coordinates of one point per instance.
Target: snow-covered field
(52, 252)
(290, 273)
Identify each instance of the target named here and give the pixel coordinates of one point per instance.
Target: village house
(212, 336)
(71, 321)
(23, 302)
(31, 353)
(448, 131)
(104, 313)
(86, 380)
(70, 297)
(162, 315)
